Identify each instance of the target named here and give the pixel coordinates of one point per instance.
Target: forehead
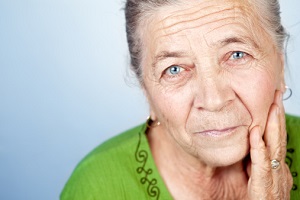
(204, 21)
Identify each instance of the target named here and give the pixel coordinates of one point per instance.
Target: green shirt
(123, 168)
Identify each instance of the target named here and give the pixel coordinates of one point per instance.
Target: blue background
(65, 87)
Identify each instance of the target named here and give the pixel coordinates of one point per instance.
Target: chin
(225, 157)
(223, 150)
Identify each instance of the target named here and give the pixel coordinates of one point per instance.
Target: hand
(265, 182)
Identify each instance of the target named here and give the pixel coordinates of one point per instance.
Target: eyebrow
(244, 40)
(166, 54)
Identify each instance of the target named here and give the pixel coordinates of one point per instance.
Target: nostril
(214, 102)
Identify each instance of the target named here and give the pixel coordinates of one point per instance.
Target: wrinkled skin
(214, 79)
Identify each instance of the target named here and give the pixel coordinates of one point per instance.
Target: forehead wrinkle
(175, 15)
(174, 26)
(166, 33)
(197, 8)
(178, 13)
(233, 38)
(225, 14)
(196, 11)
(198, 21)
(175, 18)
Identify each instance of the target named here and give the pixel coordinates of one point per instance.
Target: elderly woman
(213, 74)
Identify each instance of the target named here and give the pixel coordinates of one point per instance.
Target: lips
(218, 132)
(233, 118)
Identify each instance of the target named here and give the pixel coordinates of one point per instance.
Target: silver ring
(275, 164)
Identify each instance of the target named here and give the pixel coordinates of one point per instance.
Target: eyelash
(169, 75)
(232, 61)
(237, 52)
(173, 66)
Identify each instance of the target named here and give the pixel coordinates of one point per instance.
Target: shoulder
(105, 168)
(118, 147)
(116, 144)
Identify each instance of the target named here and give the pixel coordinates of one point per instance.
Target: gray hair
(137, 10)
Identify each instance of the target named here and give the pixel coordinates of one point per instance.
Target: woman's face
(210, 74)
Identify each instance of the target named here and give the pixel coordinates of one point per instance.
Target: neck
(185, 174)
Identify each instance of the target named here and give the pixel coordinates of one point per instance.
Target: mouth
(218, 132)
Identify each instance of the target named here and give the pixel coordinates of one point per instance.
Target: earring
(150, 123)
(290, 92)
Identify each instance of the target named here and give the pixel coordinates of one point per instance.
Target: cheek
(256, 90)
(171, 107)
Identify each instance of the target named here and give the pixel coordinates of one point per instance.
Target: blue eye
(237, 55)
(174, 70)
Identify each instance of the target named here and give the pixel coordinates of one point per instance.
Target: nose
(213, 93)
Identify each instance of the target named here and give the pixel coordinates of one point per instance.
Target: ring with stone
(275, 164)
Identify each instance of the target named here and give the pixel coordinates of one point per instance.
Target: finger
(273, 135)
(276, 124)
(278, 101)
(283, 124)
(261, 176)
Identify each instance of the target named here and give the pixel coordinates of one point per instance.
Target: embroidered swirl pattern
(289, 162)
(141, 156)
